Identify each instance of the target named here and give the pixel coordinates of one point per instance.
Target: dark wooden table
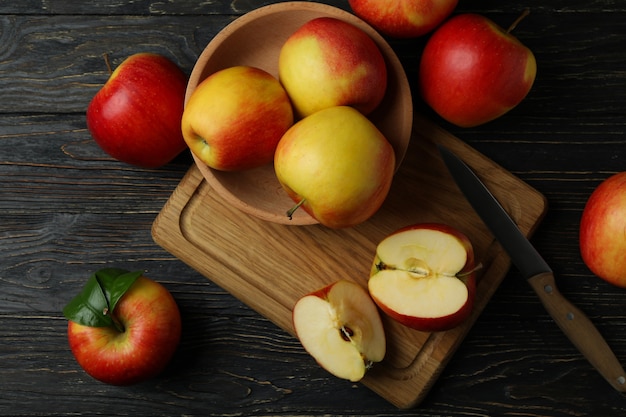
(66, 209)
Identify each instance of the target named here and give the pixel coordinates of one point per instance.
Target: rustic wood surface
(66, 209)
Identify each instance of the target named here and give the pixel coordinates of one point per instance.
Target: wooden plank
(155, 7)
(56, 61)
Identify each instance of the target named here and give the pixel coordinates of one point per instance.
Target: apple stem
(521, 17)
(294, 208)
(476, 268)
(116, 323)
(107, 62)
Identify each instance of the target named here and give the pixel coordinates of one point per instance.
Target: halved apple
(339, 325)
(423, 276)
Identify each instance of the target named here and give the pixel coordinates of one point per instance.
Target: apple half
(423, 276)
(339, 325)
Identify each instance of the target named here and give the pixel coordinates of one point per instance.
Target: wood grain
(66, 209)
(272, 267)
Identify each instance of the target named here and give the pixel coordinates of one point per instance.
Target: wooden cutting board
(269, 266)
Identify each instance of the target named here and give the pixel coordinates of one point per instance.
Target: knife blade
(572, 321)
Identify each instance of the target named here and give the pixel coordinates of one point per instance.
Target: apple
(339, 325)
(336, 165)
(423, 276)
(328, 62)
(472, 71)
(123, 328)
(135, 117)
(403, 18)
(602, 236)
(235, 117)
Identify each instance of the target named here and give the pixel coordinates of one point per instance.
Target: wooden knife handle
(580, 330)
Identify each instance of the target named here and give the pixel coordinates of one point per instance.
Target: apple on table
(123, 327)
(602, 235)
(403, 18)
(135, 117)
(423, 276)
(339, 325)
(235, 117)
(473, 71)
(328, 62)
(336, 165)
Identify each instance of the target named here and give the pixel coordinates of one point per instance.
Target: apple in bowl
(423, 276)
(339, 325)
(235, 118)
(328, 62)
(336, 165)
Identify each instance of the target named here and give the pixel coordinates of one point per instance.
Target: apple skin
(235, 118)
(135, 117)
(338, 163)
(440, 323)
(339, 325)
(328, 62)
(472, 71)
(403, 18)
(602, 235)
(152, 333)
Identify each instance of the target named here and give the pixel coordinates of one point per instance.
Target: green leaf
(94, 305)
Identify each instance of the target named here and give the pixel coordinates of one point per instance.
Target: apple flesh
(336, 165)
(403, 18)
(135, 117)
(423, 276)
(235, 118)
(151, 325)
(328, 62)
(602, 235)
(472, 71)
(339, 325)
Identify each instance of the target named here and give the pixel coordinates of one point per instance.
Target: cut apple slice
(339, 325)
(423, 276)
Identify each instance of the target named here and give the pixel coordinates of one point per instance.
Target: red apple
(135, 117)
(603, 230)
(328, 62)
(340, 327)
(472, 71)
(423, 276)
(235, 118)
(133, 342)
(403, 18)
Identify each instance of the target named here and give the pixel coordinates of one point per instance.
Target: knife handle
(580, 330)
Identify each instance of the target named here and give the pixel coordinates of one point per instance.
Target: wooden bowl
(255, 39)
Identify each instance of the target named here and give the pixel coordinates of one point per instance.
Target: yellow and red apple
(135, 117)
(602, 235)
(123, 328)
(328, 62)
(235, 117)
(339, 325)
(336, 165)
(423, 276)
(472, 71)
(403, 18)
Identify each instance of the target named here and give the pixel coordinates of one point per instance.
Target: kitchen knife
(572, 321)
